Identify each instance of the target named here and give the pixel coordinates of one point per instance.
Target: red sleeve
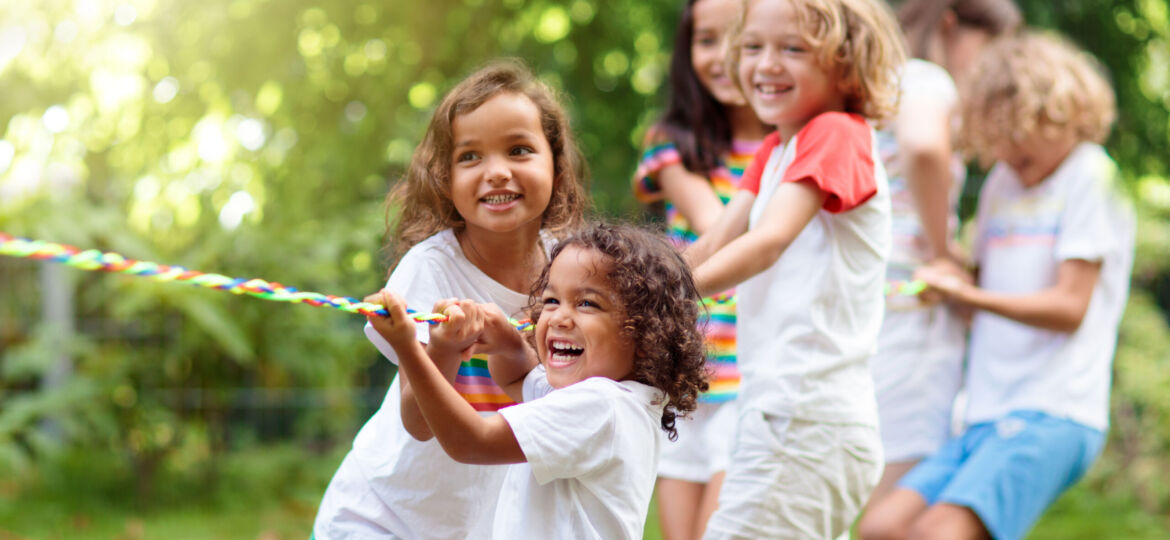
(835, 152)
(751, 176)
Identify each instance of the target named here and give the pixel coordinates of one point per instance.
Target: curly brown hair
(423, 197)
(660, 310)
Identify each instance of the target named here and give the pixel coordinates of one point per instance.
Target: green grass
(272, 493)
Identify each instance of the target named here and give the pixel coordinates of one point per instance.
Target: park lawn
(272, 493)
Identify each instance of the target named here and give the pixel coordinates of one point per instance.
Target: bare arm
(509, 356)
(732, 222)
(692, 195)
(447, 358)
(791, 207)
(924, 139)
(461, 431)
(1061, 307)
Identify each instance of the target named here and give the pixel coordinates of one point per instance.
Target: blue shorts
(1008, 471)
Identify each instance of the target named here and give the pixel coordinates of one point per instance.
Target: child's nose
(497, 170)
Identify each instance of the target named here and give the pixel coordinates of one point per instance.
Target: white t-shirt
(592, 451)
(421, 492)
(809, 323)
(1023, 234)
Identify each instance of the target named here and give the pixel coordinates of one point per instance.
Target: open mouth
(500, 198)
(770, 90)
(564, 351)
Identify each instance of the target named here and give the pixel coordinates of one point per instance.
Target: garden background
(257, 138)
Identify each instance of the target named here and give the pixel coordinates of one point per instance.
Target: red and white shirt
(809, 323)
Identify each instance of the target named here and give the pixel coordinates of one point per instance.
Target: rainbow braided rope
(905, 288)
(92, 259)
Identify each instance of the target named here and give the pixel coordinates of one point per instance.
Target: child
(496, 175)
(621, 357)
(693, 160)
(805, 240)
(1054, 249)
(919, 357)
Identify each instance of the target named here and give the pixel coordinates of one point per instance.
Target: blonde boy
(1054, 250)
(806, 241)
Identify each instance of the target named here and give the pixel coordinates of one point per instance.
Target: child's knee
(890, 517)
(877, 525)
(947, 522)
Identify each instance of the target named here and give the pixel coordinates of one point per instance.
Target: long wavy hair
(423, 196)
(660, 307)
(694, 120)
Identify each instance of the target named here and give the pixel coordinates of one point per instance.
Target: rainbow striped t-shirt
(474, 383)
(660, 152)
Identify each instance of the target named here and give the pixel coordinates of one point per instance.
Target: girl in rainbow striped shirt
(692, 162)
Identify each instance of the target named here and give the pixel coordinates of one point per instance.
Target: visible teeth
(497, 199)
(770, 88)
(566, 348)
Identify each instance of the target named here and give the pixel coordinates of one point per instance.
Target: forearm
(460, 430)
(929, 178)
(738, 261)
(412, 418)
(1050, 309)
(509, 370)
(732, 222)
(692, 196)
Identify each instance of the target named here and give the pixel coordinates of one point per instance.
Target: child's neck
(514, 259)
(832, 104)
(745, 125)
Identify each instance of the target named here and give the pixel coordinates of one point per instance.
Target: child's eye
(467, 156)
(749, 46)
(549, 301)
(707, 41)
(522, 150)
(589, 304)
(795, 49)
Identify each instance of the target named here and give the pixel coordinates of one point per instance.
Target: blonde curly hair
(1034, 85)
(858, 40)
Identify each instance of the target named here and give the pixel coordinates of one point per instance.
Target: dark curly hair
(660, 310)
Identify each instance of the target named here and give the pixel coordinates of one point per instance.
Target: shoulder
(833, 126)
(437, 248)
(922, 78)
(657, 138)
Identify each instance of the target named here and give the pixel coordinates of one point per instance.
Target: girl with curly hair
(495, 180)
(615, 356)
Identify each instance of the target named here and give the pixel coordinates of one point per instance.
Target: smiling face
(579, 329)
(711, 20)
(502, 165)
(779, 71)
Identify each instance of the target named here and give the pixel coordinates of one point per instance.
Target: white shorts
(703, 447)
(916, 373)
(793, 478)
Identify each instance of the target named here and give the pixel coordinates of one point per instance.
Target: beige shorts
(793, 478)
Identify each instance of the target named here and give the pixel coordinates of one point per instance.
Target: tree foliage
(257, 138)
